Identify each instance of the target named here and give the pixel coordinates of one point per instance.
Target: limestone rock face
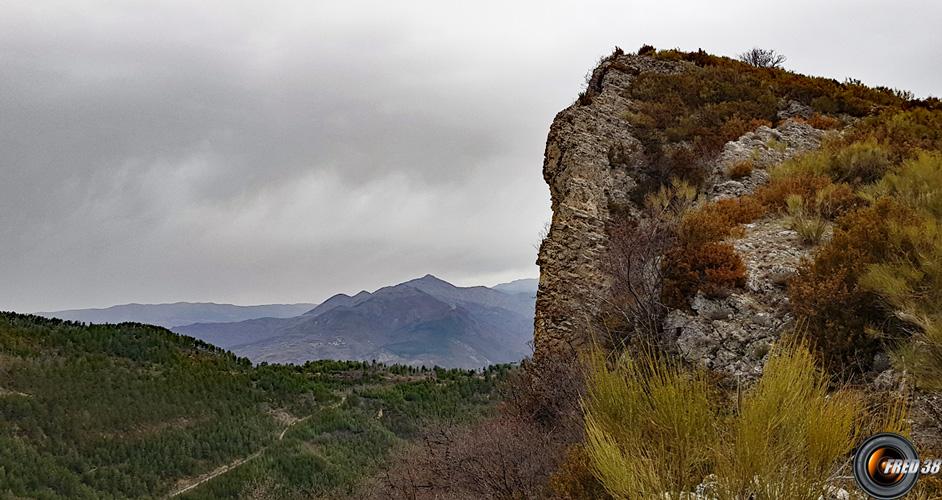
(583, 184)
(593, 163)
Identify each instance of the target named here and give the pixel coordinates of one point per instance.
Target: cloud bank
(285, 151)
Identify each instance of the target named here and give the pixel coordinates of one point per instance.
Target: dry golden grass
(654, 431)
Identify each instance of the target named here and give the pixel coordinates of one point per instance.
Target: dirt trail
(223, 469)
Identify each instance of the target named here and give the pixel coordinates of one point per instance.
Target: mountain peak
(428, 279)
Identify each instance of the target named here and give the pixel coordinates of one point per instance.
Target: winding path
(242, 461)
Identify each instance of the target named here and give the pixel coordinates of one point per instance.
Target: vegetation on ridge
(867, 202)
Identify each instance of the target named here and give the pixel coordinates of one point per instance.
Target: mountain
(179, 313)
(425, 321)
(527, 285)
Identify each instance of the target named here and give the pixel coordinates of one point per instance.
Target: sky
(271, 152)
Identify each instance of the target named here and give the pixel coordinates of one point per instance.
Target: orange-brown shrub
(773, 195)
(823, 122)
(717, 220)
(740, 169)
(825, 296)
(712, 268)
(740, 210)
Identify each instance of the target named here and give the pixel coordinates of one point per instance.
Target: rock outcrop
(733, 334)
(593, 163)
(583, 185)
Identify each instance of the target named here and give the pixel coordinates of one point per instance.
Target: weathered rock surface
(763, 147)
(583, 185)
(732, 334)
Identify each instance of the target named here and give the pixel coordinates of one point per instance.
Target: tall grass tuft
(789, 433)
(653, 430)
(650, 426)
(810, 227)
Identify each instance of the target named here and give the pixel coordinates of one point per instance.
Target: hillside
(136, 411)
(426, 321)
(728, 227)
(179, 313)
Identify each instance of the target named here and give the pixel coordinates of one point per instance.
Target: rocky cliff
(583, 184)
(595, 163)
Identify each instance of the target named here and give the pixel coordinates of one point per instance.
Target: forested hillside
(132, 410)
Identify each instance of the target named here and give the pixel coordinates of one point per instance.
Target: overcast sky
(282, 152)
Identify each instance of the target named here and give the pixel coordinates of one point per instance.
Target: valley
(137, 411)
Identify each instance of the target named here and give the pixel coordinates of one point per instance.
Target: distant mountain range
(179, 313)
(425, 321)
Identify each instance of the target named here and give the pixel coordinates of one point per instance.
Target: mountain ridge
(424, 321)
(172, 314)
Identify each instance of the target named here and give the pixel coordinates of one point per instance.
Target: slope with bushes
(704, 210)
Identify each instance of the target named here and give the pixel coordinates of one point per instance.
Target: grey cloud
(283, 151)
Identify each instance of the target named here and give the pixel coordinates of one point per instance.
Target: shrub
(646, 50)
(773, 195)
(685, 118)
(826, 95)
(823, 122)
(512, 454)
(740, 169)
(649, 426)
(634, 308)
(905, 133)
(574, 480)
(835, 200)
(789, 433)
(811, 164)
(698, 261)
(717, 220)
(825, 296)
(859, 163)
(910, 281)
(762, 58)
(654, 429)
(918, 184)
(742, 210)
(712, 268)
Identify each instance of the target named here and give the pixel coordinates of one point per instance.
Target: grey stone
(763, 319)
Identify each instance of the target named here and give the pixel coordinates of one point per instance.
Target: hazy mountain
(527, 286)
(180, 313)
(425, 321)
